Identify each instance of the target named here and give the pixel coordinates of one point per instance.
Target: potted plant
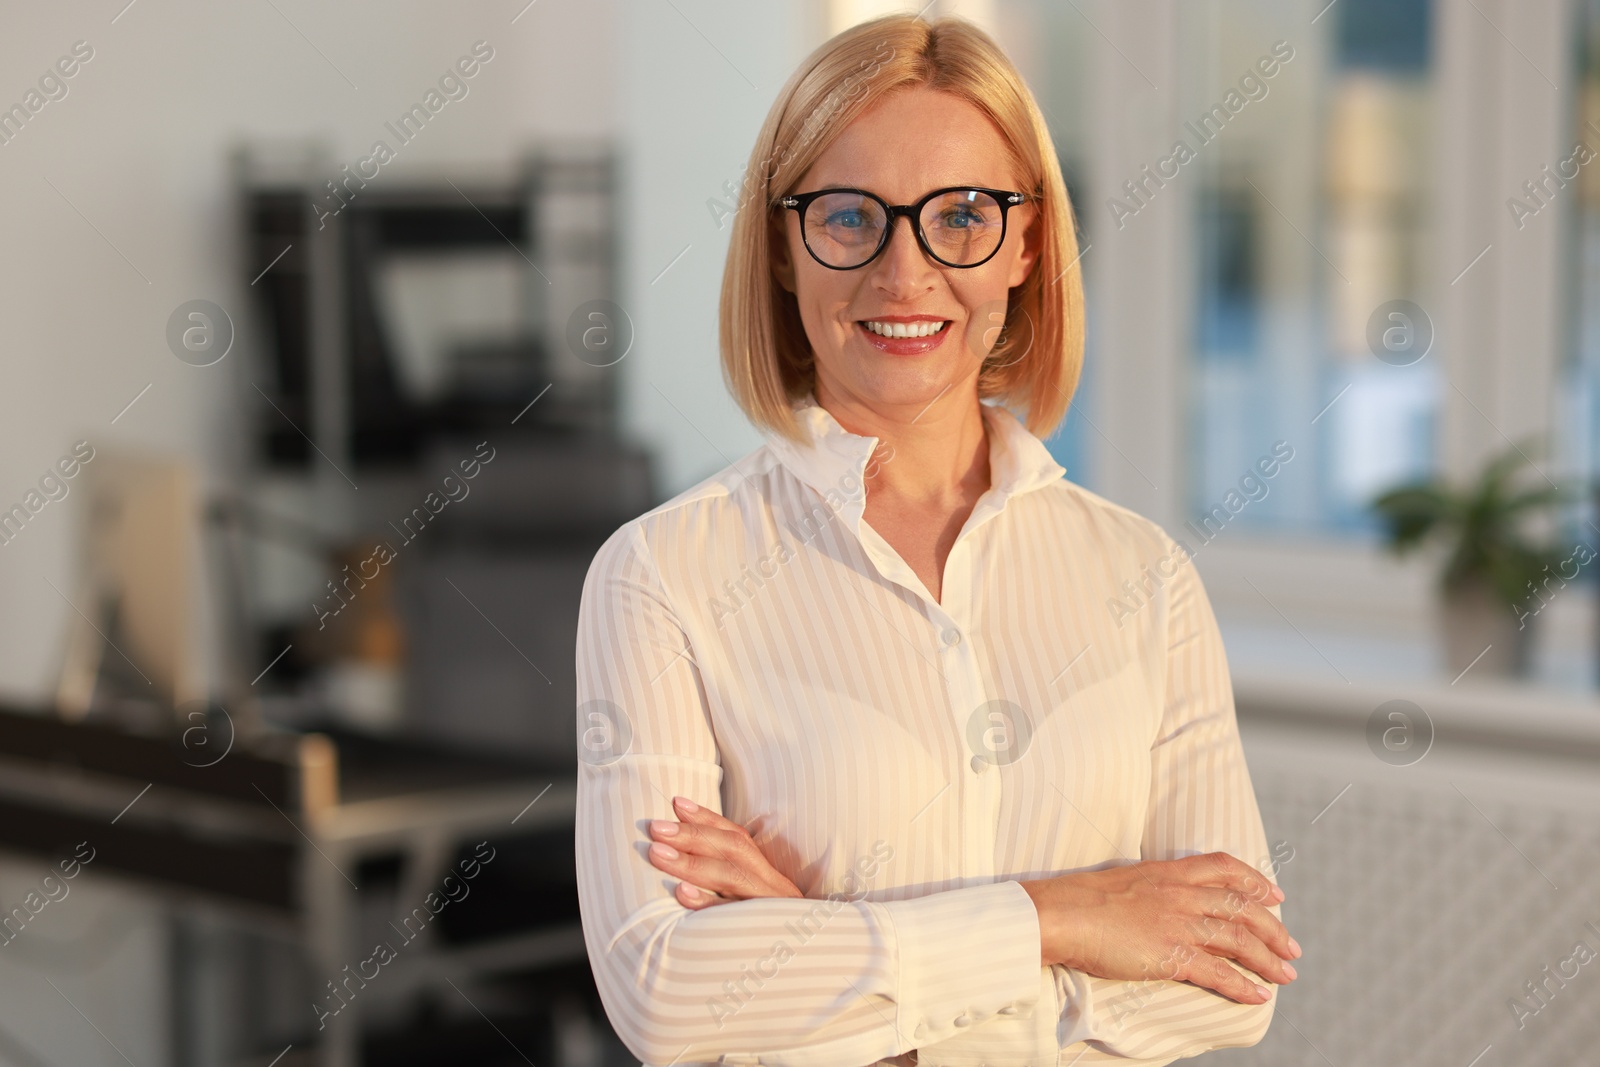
(1492, 584)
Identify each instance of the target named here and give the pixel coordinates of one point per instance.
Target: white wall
(139, 146)
(697, 79)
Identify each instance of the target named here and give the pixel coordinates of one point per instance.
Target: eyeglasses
(960, 226)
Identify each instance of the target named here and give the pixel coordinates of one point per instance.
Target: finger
(700, 815)
(743, 874)
(707, 872)
(732, 844)
(1228, 872)
(695, 899)
(693, 814)
(1267, 927)
(1217, 974)
(1234, 941)
(707, 834)
(1172, 965)
(709, 841)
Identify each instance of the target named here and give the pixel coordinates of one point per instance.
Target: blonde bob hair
(766, 359)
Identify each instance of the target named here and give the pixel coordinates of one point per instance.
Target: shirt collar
(835, 460)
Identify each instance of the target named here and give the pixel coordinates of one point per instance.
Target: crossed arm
(1126, 958)
(1156, 939)
(1175, 920)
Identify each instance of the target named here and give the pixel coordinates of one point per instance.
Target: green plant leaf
(1481, 524)
(1412, 512)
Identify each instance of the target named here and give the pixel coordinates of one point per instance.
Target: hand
(717, 859)
(1168, 919)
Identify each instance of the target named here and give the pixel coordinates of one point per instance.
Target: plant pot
(1472, 620)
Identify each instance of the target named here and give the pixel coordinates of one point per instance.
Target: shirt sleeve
(795, 982)
(1201, 800)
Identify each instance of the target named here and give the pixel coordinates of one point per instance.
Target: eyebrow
(925, 192)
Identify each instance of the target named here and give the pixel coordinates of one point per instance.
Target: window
(1579, 389)
(1310, 146)
(1049, 42)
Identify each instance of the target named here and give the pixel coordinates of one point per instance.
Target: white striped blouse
(755, 646)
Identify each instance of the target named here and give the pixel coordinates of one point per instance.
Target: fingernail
(1288, 968)
(1277, 893)
(664, 827)
(663, 851)
(686, 804)
(690, 891)
(1294, 947)
(1266, 994)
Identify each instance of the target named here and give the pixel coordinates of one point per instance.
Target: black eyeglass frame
(1006, 198)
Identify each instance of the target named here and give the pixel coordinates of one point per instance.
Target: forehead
(912, 141)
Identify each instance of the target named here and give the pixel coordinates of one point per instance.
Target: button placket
(980, 798)
(980, 794)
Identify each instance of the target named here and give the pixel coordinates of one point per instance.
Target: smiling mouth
(905, 329)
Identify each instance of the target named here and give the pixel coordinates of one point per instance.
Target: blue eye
(849, 219)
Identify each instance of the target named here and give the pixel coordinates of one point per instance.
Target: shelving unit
(421, 318)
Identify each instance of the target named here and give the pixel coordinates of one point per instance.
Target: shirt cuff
(965, 954)
(1077, 1017)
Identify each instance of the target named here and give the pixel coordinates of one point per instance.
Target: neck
(927, 452)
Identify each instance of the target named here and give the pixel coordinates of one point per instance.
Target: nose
(904, 236)
(902, 269)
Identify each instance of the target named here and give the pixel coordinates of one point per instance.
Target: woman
(873, 769)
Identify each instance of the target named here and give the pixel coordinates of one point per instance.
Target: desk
(290, 828)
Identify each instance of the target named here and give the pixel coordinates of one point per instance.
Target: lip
(904, 346)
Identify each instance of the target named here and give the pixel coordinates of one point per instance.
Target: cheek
(823, 296)
(985, 300)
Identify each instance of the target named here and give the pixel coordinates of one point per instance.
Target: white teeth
(904, 329)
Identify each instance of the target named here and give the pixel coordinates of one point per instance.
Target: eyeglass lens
(960, 227)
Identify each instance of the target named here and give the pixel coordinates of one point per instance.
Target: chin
(899, 381)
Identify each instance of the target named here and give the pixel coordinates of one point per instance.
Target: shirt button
(962, 1019)
(952, 636)
(1009, 1009)
(921, 1031)
(979, 764)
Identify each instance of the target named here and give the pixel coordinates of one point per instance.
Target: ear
(782, 261)
(1032, 239)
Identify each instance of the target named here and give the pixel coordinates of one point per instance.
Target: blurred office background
(242, 352)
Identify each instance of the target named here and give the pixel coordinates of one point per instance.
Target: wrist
(1035, 891)
(1062, 938)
